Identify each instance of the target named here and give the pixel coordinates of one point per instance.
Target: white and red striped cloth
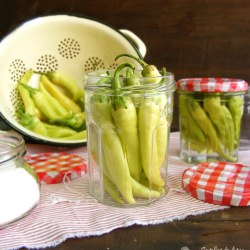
(67, 211)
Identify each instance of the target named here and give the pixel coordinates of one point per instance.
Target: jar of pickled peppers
(210, 116)
(245, 132)
(128, 130)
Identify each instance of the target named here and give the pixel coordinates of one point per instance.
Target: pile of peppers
(54, 108)
(128, 131)
(210, 123)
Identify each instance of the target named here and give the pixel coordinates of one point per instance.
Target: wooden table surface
(226, 229)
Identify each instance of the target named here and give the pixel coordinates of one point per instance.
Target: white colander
(69, 44)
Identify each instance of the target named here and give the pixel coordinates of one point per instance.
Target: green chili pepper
(81, 103)
(59, 109)
(188, 127)
(200, 116)
(131, 78)
(76, 121)
(31, 122)
(145, 182)
(68, 83)
(112, 150)
(162, 130)
(236, 107)
(65, 101)
(55, 131)
(222, 120)
(40, 107)
(139, 190)
(111, 189)
(162, 139)
(42, 103)
(29, 105)
(76, 136)
(148, 116)
(125, 118)
(34, 124)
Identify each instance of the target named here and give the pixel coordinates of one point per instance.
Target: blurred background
(191, 38)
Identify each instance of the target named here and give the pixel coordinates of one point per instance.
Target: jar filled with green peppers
(245, 132)
(210, 115)
(128, 117)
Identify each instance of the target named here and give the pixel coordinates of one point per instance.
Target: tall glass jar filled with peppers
(210, 114)
(128, 115)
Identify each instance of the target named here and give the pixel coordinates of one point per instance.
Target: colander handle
(135, 40)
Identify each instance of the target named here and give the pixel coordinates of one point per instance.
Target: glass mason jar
(19, 186)
(245, 132)
(128, 131)
(210, 115)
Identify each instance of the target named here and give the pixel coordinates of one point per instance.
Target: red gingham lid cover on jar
(212, 85)
(219, 183)
(54, 167)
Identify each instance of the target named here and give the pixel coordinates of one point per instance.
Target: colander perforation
(16, 101)
(112, 66)
(94, 63)
(47, 63)
(17, 69)
(69, 48)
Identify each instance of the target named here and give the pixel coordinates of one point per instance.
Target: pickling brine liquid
(245, 131)
(128, 133)
(210, 124)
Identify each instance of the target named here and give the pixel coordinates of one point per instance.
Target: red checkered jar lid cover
(219, 183)
(52, 167)
(212, 85)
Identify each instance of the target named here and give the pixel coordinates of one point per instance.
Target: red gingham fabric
(51, 167)
(212, 85)
(219, 183)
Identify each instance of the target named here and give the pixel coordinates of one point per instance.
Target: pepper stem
(118, 100)
(139, 60)
(116, 83)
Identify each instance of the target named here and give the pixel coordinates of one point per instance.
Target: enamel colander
(70, 44)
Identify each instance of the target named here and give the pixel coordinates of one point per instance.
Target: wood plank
(174, 235)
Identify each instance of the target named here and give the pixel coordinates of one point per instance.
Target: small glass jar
(210, 115)
(128, 131)
(19, 185)
(245, 132)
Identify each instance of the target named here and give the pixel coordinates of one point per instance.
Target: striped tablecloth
(67, 211)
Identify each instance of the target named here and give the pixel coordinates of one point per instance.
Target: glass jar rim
(11, 144)
(166, 82)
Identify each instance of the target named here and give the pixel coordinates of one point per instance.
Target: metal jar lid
(212, 85)
(219, 183)
(52, 168)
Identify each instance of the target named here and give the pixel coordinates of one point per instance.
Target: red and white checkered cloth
(212, 85)
(219, 183)
(54, 167)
